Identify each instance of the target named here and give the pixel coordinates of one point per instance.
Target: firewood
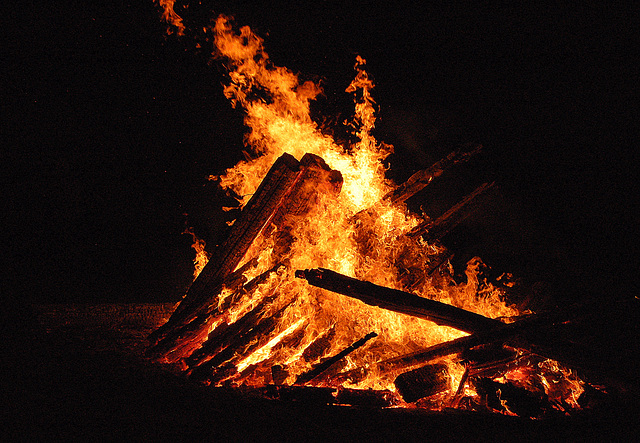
(178, 338)
(431, 230)
(423, 382)
(495, 360)
(511, 399)
(437, 261)
(224, 259)
(167, 338)
(315, 178)
(318, 369)
(237, 346)
(237, 349)
(247, 288)
(279, 374)
(365, 398)
(294, 189)
(518, 334)
(398, 301)
(418, 181)
(455, 401)
(219, 338)
(268, 365)
(319, 345)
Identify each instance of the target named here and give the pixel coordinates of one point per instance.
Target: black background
(112, 127)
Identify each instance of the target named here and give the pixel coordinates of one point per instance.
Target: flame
(171, 17)
(356, 233)
(202, 256)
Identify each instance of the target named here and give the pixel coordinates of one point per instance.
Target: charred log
(254, 216)
(365, 398)
(423, 382)
(181, 335)
(519, 334)
(315, 178)
(219, 338)
(418, 181)
(287, 193)
(398, 301)
(496, 361)
(432, 230)
(178, 339)
(267, 370)
(239, 345)
(279, 374)
(318, 347)
(323, 366)
(511, 399)
(460, 391)
(247, 288)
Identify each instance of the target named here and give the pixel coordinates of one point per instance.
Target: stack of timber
(209, 344)
(288, 192)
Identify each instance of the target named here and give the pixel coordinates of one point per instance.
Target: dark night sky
(112, 126)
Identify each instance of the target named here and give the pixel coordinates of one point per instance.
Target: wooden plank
(225, 258)
(432, 230)
(252, 219)
(318, 369)
(191, 329)
(220, 337)
(236, 345)
(418, 181)
(398, 301)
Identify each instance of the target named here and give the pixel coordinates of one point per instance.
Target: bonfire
(326, 282)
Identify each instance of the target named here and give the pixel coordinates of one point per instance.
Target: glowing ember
(268, 327)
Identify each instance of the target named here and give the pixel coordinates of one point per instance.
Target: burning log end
(423, 382)
(308, 273)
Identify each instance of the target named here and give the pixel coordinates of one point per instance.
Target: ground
(79, 376)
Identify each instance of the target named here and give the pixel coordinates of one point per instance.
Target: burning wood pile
(327, 287)
(234, 330)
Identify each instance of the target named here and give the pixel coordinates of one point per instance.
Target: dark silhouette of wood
(519, 334)
(422, 382)
(318, 369)
(398, 301)
(179, 336)
(319, 345)
(236, 344)
(432, 230)
(418, 181)
(220, 337)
